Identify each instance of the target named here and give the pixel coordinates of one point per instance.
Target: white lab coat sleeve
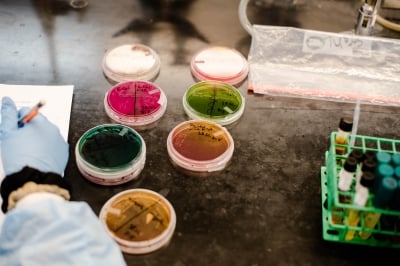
(56, 232)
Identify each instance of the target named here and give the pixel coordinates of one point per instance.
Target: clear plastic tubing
(214, 101)
(140, 220)
(110, 154)
(139, 104)
(200, 147)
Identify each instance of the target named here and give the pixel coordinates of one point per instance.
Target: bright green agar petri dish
(214, 101)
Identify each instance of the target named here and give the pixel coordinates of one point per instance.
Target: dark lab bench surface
(265, 208)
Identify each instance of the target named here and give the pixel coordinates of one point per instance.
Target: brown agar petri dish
(110, 154)
(200, 147)
(131, 62)
(219, 63)
(140, 220)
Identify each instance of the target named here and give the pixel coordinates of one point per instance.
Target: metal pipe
(367, 17)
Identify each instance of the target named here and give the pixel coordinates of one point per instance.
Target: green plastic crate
(383, 234)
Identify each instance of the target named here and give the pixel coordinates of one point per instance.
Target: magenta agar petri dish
(219, 63)
(131, 62)
(200, 147)
(139, 104)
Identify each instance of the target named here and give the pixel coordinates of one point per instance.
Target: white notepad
(57, 108)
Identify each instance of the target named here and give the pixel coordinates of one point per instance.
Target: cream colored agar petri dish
(200, 147)
(140, 220)
(219, 63)
(131, 62)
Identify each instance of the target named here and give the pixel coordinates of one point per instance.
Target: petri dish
(140, 220)
(139, 104)
(215, 101)
(110, 154)
(219, 63)
(131, 62)
(200, 147)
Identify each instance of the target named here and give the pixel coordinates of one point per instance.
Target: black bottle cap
(370, 155)
(367, 179)
(346, 123)
(350, 165)
(358, 154)
(368, 165)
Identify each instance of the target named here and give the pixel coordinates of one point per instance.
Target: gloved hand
(38, 144)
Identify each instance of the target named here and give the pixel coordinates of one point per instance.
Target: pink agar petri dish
(140, 220)
(200, 147)
(139, 104)
(131, 62)
(219, 63)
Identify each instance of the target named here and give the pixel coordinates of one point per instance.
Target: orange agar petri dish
(200, 147)
(140, 220)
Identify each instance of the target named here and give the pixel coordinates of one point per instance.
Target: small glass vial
(346, 174)
(382, 199)
(345, 127)
(360, 200)
(368, 165)
(366, 182)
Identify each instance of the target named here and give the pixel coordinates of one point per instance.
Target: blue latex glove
(38, 144)
(53, 232)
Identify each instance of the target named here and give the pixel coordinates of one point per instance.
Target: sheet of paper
(57, 108)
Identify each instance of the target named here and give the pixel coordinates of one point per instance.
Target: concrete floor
(265, 208)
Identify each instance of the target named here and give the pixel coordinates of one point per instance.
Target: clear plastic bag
(294, 62)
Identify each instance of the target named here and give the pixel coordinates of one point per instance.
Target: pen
(31, 114)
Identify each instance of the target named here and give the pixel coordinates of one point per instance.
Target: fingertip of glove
(7, 102)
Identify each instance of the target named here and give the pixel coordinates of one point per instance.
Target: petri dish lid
(131, 62)
(215, 101)
(221, 64)
(110, 154)
(135, 103)
(200, 146)
(140, 220)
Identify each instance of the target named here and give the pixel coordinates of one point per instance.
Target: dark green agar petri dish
(110, 146)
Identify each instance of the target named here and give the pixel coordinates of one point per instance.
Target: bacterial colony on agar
(200, 142)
